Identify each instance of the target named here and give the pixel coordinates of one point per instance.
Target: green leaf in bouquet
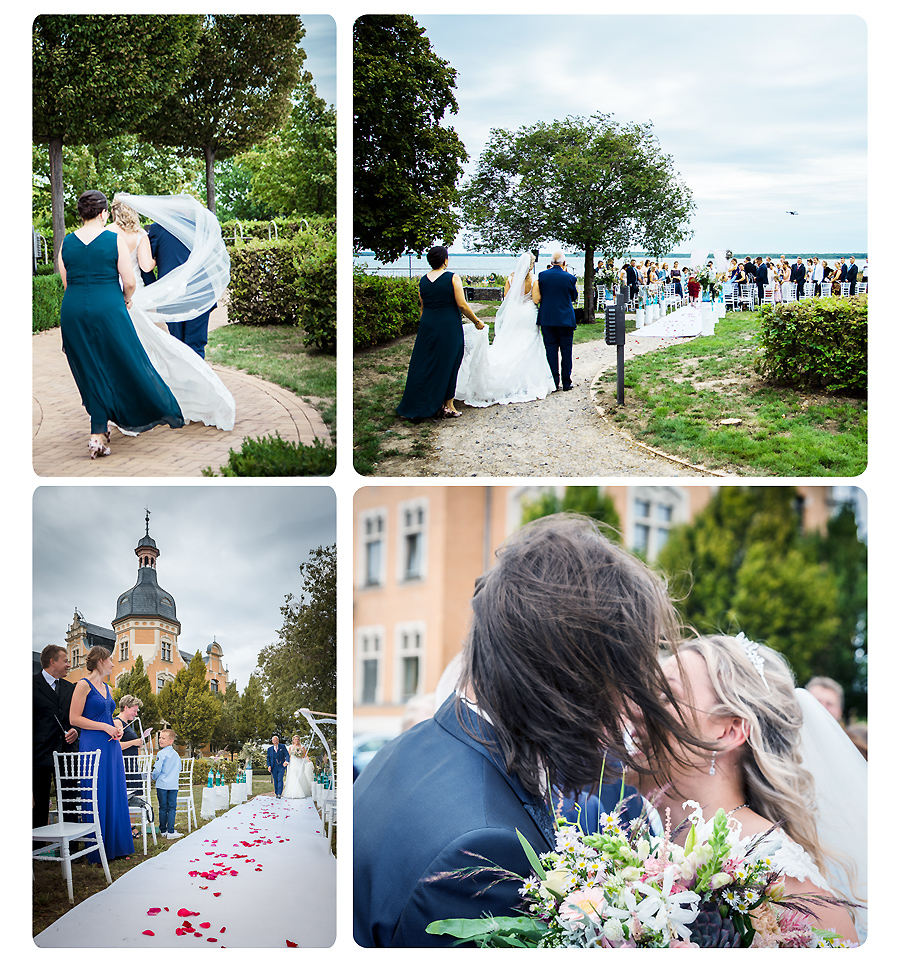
(505, 932)
(532, 856)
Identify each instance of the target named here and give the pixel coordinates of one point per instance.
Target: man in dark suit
(170, 253)
(550, 666)
(762, 278)
(750, 271)
(277, 758)
(632, 280)
(51, 731)
(798, 275)
(843, 269)
(554, 292)
(852, 274)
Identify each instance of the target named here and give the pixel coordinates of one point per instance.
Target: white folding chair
(185, 799)
(792, 292)
(862, 287)
(76, 796)
(137, 780)
(749, 295)
(769, 296)
(845, 290)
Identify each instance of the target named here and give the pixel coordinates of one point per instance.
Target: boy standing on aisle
(165, 776)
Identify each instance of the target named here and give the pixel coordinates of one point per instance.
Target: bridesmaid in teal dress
(438, 350)
(91, 713)
(115, 377)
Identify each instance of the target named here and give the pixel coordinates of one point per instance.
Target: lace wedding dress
(514, 368)
(202, 396)
(298, 782)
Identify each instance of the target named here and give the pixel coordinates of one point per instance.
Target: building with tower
(146, 625)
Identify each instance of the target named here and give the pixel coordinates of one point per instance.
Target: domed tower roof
(146, 597)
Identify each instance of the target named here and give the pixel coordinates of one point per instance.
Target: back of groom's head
(564, 650)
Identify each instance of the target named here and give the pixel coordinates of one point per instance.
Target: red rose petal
(180, 931)
(154, 911)
(204, 924)
(197, 934)
(149, 932)
(217, 893)
(221, 931)
(212, 939)
(290, 944)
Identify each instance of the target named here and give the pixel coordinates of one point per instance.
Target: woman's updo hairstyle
(437, 256)
(90, 204)
(97, 655)
(124, 216)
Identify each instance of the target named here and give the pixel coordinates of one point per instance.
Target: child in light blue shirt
(165, 776)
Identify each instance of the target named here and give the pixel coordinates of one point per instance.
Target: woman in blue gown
(91, 712)
(113, 373)
(438, 350)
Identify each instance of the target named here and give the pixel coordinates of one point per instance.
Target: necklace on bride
(741, 807)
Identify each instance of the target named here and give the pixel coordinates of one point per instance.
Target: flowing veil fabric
(514, 368)
(840, 773)
(184, 293)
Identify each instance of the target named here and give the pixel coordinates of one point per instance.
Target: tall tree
(588, 183)
(137, 683)
(405, 162)
(98, 75)
(744, 564)
(300, 670)
(294, 171)
(227, 735)
(189, 706)
(583, 499)
(239, 90)
(255, 721)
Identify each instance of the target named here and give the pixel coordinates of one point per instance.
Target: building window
(166, 650)
(373, 529)
(655, 511)
(160, 683)
(76, 658)
(370, 655)
(410, 651)
(213, 685)
(123, 651)
(413, 521)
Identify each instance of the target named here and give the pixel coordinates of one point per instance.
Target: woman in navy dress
(91, 712)
(438, 350)
(116, 379)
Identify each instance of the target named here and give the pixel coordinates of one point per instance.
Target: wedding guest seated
(830, 694)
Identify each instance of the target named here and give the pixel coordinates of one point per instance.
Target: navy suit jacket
(437, 800)
(852, 272)
(277, 757)
(50, 720)
(558, 291)
(169, 253)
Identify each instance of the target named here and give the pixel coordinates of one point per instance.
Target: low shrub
(274, 457)
(46, 301)
(816, 344)
(317, 295)
(384, 307)
(227, 768)
(277, 228)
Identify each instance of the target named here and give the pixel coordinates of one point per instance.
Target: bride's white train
(514, 368)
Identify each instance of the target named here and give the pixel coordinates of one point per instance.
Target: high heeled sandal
(451, 413)
(98, 449)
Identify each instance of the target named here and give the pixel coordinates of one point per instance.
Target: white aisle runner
(685, 321)
(259, 876)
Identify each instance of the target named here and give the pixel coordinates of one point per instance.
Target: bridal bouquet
(618, 889)
(709, 281)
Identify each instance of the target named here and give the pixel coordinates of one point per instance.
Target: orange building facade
(418, 550)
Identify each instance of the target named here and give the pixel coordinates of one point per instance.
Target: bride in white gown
(778, 758)
(298, 782)
(182, 294)
(514, 368)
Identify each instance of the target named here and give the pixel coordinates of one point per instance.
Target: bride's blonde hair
(124, 216)
(776, 784)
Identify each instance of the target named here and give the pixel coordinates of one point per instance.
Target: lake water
(481, 264)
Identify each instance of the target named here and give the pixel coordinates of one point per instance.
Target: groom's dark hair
(564, 644)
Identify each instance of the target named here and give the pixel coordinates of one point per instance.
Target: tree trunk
(588, 284)
(209, 153)
(57, 199)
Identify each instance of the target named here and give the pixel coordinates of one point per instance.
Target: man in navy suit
(51, 731)
(554, 292)
(852, 274)
(563, 649)
(798, 274)
(170, 253)
(277, 758)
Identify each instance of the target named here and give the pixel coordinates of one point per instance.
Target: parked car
(365, 746)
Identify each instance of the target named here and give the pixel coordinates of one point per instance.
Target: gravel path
(560, 436)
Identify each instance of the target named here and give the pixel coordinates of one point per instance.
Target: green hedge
(46, 300)
(816, 344)
(287, 281)
(287, 228)
(227, 768)
(384, 307)
(274, 457)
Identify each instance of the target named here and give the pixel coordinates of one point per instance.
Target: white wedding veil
(191, 289)
(516, 290)
(840, 773)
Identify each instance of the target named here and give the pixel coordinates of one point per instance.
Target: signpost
(615, 336)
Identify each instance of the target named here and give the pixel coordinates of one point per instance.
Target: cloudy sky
(319, 44)
(228, 556)
(762, 114)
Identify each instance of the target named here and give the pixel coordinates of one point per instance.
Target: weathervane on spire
(147, 521)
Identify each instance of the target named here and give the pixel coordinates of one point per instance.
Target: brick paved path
(61, 426)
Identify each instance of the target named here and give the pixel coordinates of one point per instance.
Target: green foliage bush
(284, 228)
(274, 457)
(384, 307)
(816, 344)
(227, 768)
(46, 300)
(291, 280)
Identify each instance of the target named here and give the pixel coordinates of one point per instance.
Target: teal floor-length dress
(437, 353)
(115, 377)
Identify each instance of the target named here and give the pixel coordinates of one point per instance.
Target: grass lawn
(50, 899)
(676, 398)
(277, 354)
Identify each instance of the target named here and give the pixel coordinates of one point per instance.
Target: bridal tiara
(752, 650)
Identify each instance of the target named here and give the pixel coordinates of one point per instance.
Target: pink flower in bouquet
(588, 901)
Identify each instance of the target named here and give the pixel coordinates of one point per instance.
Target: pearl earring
(712, 765)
